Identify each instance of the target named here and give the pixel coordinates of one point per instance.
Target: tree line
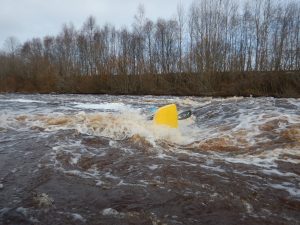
(209, 37)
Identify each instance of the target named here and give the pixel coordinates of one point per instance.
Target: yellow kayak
(167, 115)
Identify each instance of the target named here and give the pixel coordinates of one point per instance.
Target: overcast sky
(25, 19)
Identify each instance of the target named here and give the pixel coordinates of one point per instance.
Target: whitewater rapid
(235, 158)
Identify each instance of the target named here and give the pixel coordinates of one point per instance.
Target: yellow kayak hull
(167, 115)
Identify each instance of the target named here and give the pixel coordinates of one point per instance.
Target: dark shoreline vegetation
(256, 84)
(214, 48)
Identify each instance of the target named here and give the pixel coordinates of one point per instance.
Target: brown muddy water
(86, 159)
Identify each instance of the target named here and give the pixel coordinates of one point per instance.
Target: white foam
(128, 124)
(265, 159)
(111, 212)
(294, 101)
(77, 173)
(282, 174)
(293, 191)
(99, 183)
(214, 168)
(103, 106)
(4, 120)
(75, 158)
(22, 211)
(21, 100)
(109, 175)
(153, 167)
(143, 184)
(78, 217)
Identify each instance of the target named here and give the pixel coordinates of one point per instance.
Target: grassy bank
(277, 84)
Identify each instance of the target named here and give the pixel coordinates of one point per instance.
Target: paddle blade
(167, 115)
(184, 115)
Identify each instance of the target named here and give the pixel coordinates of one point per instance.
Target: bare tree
(212, 36)
(139, 38)
(181, 27)
(11, 45)
(149, 30)
(88, 31)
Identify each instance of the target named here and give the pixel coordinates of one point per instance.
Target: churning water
(96, 159)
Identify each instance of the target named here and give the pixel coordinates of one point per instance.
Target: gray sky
(25, 19)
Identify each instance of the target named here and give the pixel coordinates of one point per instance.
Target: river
(97, 159)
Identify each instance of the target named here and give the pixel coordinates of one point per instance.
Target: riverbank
(285, 84)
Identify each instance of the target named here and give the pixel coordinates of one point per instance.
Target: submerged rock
(112, 212)
(43, 201)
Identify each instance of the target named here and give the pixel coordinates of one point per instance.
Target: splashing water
(236, 160)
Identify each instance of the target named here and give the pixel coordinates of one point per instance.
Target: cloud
(25, 19)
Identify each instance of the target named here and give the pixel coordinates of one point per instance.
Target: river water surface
(96, 159)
